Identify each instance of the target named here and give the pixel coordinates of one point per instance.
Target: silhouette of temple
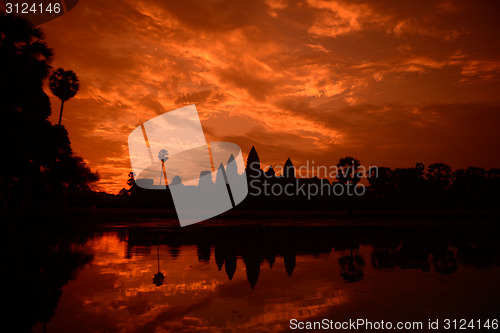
(280, 188)
(269, 189)
(288, 169)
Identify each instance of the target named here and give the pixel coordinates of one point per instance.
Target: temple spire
(253, 163)
(289, 169)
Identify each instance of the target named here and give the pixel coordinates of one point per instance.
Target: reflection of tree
(37, 272)
(351, 267)
(204, 250)
(445, 262)
(415, 254)
(478, 255)
(392, 247)
(384, 257)
(159, 277)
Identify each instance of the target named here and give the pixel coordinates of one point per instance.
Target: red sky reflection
(116, 293)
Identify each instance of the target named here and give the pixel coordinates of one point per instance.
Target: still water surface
(133, 280)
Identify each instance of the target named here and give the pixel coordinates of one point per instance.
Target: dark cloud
(218, 15)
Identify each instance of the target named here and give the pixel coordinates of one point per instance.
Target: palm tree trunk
(60, 112)
(158, 255)
(164, 173)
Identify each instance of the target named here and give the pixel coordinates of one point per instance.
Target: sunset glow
(391, 83)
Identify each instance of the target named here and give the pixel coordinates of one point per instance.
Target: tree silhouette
(25, 66)
(163, 157)
(439, 176)
(64, 85)
(348, 170)
(131, 179)
(408, 185)
(381, 181)
(42, 167)
(22, 38)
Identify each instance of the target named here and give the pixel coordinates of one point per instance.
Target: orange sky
(391, 83)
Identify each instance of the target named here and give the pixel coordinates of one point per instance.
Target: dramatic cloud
(390, 83)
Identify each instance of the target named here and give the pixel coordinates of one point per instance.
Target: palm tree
(25, 65)
(64, 84)
(163, 157)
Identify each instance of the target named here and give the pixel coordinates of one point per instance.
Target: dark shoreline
(76, 218)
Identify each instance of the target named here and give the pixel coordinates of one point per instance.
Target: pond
(255, 279)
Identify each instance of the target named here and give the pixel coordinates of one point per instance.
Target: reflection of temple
(253, 247)
(289, 259)
(252, 265)
(230, 265)
(42, 266)
(204, 250)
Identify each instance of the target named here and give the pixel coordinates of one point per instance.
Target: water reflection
(34, 272)
(256, 279)
(159, 277)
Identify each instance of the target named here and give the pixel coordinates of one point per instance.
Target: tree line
(38, 166)
(418, 187)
